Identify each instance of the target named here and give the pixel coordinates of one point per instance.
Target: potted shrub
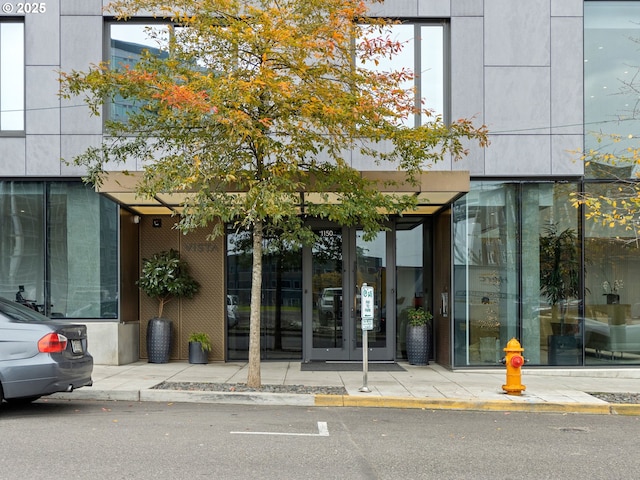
(559, 282)
(199, 347)
(164, 277)
(418, 340)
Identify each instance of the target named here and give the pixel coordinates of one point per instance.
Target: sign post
(366, 310)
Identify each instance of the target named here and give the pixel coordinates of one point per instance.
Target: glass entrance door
(339, 263)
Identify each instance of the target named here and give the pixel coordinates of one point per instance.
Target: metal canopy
(435, 190)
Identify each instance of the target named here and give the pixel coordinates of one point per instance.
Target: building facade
(494, 233)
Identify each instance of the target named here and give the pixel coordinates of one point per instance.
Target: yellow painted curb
(456, 404)
(329, 400)
(625, 409)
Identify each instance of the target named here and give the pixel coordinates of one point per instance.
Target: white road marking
(323, 431)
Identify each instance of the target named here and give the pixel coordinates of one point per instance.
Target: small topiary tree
(165, 276)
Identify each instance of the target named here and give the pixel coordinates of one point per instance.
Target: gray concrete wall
(516, 66)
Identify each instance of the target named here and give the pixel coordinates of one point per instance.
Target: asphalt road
(122, 440)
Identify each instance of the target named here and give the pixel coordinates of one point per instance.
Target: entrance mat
(349, 367)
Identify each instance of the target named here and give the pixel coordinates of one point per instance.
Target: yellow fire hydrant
(514, 361)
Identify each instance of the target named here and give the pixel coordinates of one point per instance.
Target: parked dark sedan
(40, 356)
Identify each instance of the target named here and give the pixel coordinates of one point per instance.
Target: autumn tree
(250, 108)
(618, 205)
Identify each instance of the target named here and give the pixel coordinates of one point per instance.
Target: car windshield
(18, 313)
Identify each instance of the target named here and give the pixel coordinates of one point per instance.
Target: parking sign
(367, 307)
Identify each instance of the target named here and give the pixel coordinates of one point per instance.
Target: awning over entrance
(436, 190)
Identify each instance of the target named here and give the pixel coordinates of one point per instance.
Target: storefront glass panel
(517, 273)
(341, 261)
(410, 281)
(551, 275)
(82, 244)
(326, 285)
(485, 273)
(281, 309)
(58, 249)
(22, 242)
(612, 293)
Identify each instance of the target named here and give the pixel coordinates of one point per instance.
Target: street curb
(234, 398)
(320, 400)
(630, 409)
(476, 405)
(88, 393)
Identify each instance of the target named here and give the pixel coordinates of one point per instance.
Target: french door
(336, 267)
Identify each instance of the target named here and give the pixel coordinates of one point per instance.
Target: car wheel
(22, 400)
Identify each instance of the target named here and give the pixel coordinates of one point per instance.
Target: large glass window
(281, 308)
(517, 271)
(58, 249)
(611, 82)
(11, 76)
(127, 43)
(551, 290)
(612, 260)
(423, 53)
(485, 272)
(411, 285)
(612, 293)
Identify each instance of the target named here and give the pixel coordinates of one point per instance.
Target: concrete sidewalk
(429, 387)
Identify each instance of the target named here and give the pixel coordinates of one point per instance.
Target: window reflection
(612, 306)
(517, 273)
(58, 249)
(281, 307)
(11, 76)
(425, 58)
(410, 279)
(127, 44)
(22, 241)
(485, 285)
(327, 289)
(551, 264)
(431, 73)
(371, 268)
(610, 82)
(82, 242)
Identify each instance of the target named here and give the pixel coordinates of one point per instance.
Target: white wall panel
(434, 8)
(467, 82)
(42, 101)
(12, 156)
(517, 100)
(81, 44)
(567, 94)
(567, 8)
(467, 8)
(81, 7)
(42, 35)
(517, 32)
(518, 156)
(73, 145)
(565, 156)
(395, 8)
(43, 155)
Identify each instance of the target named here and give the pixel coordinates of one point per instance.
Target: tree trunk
(253, 377)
